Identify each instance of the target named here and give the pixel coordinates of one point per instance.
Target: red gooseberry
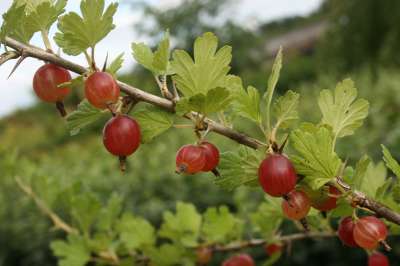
(277, 175)
(296, 205)
(101, 90)
(204, 255)
(369, 231)
(212, 156)
(326, 199)
(273, 248)
(345, 232)
(46, 81)
(239, 260)
(378, 259)
(190, 159)
(121, 137)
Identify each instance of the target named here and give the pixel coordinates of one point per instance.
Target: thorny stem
(35, 52)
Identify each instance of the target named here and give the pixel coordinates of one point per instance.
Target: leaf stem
(46, 40)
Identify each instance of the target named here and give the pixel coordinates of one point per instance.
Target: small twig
(57, 221)
(9, 55)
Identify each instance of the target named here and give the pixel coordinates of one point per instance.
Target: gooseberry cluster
(195, 158)
(121, 134)
(239, 260)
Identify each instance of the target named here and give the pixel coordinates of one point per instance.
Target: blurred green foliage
(363, 42)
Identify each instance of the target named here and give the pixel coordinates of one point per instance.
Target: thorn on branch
(22, 57)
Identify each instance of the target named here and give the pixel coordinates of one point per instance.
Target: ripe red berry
(239, 260)
(271, 249)
(46, 81)
(345, 232)
(378, 259)
(324, 201)
(369, 231)
(204, 255)
(101, 90)
(121, 137)
(212, 156)
(190, 159)
(296, 205)
(277, 175)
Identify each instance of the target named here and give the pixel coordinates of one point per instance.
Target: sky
(17, 92)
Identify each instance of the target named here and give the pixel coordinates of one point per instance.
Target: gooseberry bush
(295, 162)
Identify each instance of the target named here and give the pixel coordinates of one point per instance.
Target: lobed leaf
(183, 227)
(341, 111)
(77, 34)
(315, 158)
(207, 71)
(390, 162)
(285, 109)
(73, 252)
(85, 115)
(239, 168)
(247, 104)
(153, 122)
(116, 65)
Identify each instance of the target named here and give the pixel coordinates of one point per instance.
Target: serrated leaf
(15, 24)
(343, 209)
(116, 65)
(45, 13)
(360, 171)
(285, 109)
(315, 158)
(375, 177)
(341, 111)
(220, 226)
(161, 56)
(272, 81)
(143, 55)
(135, 232)
(396, 192)
(182, 227)
(239, 168)
(207, 71)
(73, 252)
(153, 122)
(77, 34)
(390, 162)
(247, 104)
(216, 100)
(85, 115)
(270, 211)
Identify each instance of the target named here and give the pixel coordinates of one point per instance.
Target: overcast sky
(17, 91)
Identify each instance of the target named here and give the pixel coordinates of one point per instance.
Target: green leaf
(16, 25)
(315, 158)
(239, 168)
(157, 62)
(268, 216)
(85, 115)
(361, 169)
(110, 213)
(216, 100)
(285, 109)
(167, 255)
(272, 81)
(341, 110)
(143, 55)
(207, 71)
(85, 209)
(116, 65)
(396, 192)
(43, 15)
(374, 178)
(161, 56)
(272, 259)
(182, 227)
(390, 162)
(247, 104)
(73, 252)
(220, 226)
(77, 34)
(153, 122)
(343, 209)
(136, 233)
